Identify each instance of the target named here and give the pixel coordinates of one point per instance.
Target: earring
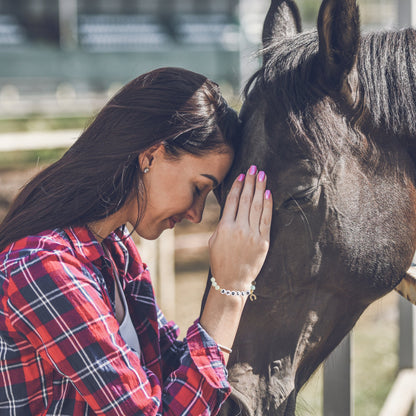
(145, 170)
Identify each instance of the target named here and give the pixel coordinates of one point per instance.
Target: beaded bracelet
(249, 293)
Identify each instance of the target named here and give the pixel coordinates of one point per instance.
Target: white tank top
(127, 330)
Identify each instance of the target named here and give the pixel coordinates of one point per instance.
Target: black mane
(387, 70)
(286, 82)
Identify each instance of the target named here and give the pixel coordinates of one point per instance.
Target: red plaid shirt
(61, 352)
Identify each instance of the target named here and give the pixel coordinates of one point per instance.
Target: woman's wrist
(221, 317)
(247, 292)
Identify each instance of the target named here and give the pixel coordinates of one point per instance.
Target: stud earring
(145, 170)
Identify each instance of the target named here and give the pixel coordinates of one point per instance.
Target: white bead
(228, 292)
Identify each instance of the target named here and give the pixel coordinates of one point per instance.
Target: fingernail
(252, 170)
(267, 194)
(241, 177)
(261, 176)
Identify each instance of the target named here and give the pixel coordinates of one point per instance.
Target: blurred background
(60, 61)
(63, 57)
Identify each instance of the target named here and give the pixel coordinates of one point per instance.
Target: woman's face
(176, 189)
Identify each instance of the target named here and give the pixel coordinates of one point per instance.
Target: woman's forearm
(221, 317)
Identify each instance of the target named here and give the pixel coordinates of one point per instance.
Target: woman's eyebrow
(213, 179)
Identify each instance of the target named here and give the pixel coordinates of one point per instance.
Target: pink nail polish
(252, 170)
(267, 194)
(261, 176)
(241, 177)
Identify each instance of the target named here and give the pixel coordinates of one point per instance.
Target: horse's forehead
(255, 144)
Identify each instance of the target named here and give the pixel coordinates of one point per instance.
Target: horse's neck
(387, 68)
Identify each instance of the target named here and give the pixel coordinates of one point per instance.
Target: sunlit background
(60, 60)
(63, 57)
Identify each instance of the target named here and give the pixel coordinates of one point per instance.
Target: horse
(331, 117)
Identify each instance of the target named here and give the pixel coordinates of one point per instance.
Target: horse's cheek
(297, 259)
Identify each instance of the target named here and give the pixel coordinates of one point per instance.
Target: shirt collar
(85, 243)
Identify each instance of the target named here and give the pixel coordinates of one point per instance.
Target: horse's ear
(282, 20)
(339, 39)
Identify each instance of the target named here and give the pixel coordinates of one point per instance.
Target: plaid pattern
(60, 349)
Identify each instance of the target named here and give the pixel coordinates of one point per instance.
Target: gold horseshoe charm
(253, 297)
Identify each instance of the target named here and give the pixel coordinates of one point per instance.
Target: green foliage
(39, 122)
(29, 158)
(309, 10)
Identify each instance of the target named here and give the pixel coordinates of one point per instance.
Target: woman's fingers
(248, 202)
(256, 207)
(233, 198)
(240, 243)
(246, 197)
(266, 217)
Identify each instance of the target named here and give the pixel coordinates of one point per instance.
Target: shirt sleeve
(60, 307)
(197, 354)
(201, 357)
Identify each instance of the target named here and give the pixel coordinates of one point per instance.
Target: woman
(80, 332)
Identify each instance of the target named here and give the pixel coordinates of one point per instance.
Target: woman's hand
(238, 249)
(239, 246)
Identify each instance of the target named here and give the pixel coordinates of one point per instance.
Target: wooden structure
(91, 46)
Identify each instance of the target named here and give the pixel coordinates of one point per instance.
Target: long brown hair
(94, 178)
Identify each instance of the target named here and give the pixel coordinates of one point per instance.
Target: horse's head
(343, 183)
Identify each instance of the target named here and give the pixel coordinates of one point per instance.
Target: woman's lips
(172, 222)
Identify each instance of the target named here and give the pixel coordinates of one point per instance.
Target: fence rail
(37, 140)
(402, 395)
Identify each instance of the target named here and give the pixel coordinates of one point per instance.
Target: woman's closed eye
(202, 189)
(197, 191)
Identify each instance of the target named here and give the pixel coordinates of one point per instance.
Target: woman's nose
(194, 214)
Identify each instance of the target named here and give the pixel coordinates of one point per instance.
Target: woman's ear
(149, 156)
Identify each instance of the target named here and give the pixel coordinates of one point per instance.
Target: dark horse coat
(331, 117)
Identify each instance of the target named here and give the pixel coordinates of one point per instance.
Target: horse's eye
(301, 199)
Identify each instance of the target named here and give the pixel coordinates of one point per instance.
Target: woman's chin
(150, 234)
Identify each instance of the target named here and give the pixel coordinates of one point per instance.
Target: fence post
(406, 13)
(166, 273)
(159, 255)
(68, 24)
(407, 341)
(338, 381)
(251, 15)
